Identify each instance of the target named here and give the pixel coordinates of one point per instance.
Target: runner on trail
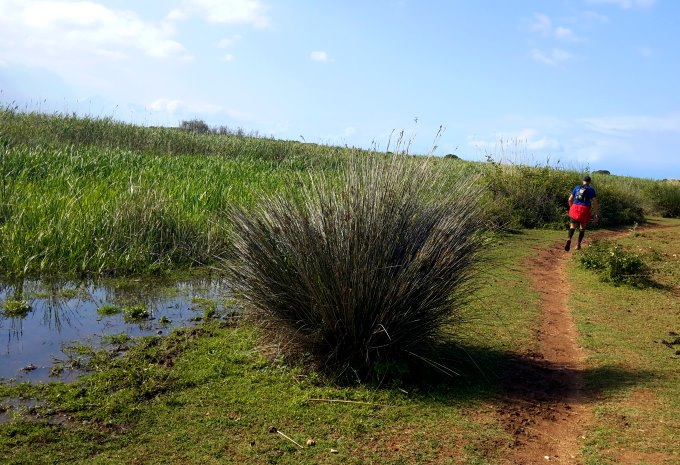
(581, 199)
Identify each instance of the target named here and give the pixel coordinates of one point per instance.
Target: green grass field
(95, 196)
(210, 395)
(88, 197)
(632, 330)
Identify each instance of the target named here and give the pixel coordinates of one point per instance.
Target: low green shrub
(528, 196)
(615, 264)
(666, 198)
(620, 202)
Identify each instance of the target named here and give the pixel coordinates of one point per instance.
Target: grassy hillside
(96, 196)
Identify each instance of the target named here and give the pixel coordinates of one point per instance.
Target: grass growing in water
(136, 313)
(16, 308)
(108, 310)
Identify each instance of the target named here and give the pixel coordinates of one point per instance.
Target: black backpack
(581, 195)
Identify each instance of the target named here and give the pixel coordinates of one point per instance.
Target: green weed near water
(108, 310)
(136, 313)
(15, 308)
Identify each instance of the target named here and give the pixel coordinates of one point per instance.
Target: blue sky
(582, 83)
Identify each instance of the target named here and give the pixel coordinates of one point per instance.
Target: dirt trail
(545, 407)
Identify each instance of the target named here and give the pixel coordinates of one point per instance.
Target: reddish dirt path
(544, 408)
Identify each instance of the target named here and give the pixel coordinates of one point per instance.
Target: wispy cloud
(554, 57)
(164, 104)
(566, 34)
(594, 16)
(513, 141)
(251, 12)
(39, 32)
(645, 52)
(543, 24)
(318, 56)
(626, 4)
(224, 43)
(622, 125)
(177, 106)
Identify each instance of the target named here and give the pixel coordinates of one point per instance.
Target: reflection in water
(65, 312)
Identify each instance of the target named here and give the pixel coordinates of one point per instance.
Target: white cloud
(542, 24)
(593, 16)
(645, 52)
(224, 43)
(34, 32)
(623, 125)
(228, 57)
(175, 106)
(319, 56)
(251, 12)
(566, 34)
(626, 4)
(164, 104)
(514, 143)
(553, 58)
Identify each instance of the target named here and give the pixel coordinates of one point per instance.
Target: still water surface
(65, 313)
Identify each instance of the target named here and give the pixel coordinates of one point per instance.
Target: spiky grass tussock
(366, 271)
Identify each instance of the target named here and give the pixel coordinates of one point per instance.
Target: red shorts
(579, 213)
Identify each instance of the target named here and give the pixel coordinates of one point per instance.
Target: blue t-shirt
(588, 195)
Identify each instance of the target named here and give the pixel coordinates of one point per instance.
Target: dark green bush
(619, 204)
(615, 264)
(362, 272)
(665, 196)
(528, 197)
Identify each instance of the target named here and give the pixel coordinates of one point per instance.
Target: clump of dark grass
(366, 272)
(616, 265)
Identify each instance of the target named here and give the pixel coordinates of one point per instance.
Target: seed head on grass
(365, 271)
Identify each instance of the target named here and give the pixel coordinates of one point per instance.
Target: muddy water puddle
(41, 322)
